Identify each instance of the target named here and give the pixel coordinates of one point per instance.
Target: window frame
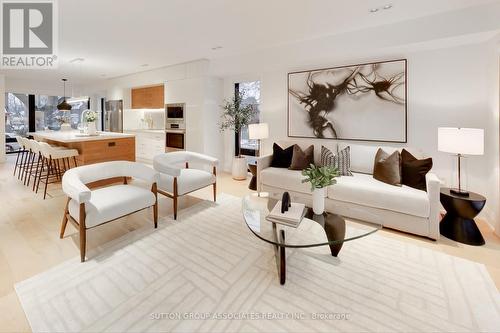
(237, 144)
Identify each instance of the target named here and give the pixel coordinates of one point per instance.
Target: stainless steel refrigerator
(113, 116)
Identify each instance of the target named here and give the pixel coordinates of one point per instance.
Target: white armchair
(177, 178)
(87, 208)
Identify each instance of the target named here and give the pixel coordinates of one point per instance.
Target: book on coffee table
(291, 217)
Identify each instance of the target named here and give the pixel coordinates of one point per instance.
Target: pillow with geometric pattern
(341, 160)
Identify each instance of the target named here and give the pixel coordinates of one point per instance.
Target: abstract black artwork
(362, 102)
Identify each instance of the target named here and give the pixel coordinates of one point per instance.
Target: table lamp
(461, 141)
(258, 132)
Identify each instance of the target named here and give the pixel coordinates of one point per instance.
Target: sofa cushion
(413, 170)
(362, 156)
(282, 157)
(188, 181)
(341, 160)
(365, 190)
(387, 167)
(109, 203)
(288, 180)
(301, 159)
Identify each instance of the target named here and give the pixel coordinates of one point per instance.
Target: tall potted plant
(320, 178)
(235, 116)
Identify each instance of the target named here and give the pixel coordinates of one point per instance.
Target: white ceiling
(117, 37)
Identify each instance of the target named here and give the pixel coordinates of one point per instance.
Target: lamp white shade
(465, 141)
(258, 131)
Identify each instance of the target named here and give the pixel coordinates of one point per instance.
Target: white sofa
(360, 196)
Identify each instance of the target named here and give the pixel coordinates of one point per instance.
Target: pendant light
(64, 106)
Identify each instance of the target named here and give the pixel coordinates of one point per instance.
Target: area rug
(207, 272)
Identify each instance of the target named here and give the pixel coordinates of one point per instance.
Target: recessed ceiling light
(373, 10)
(216, 48)
(388, 6)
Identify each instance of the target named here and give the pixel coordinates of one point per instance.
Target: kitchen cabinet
(148, 97)
(148, 144)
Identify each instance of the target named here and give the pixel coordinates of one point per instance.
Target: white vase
(66, 127)
(91, 128)
(318, 201)
(239, 169)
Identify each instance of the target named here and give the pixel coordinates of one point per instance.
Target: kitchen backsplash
(143, 119)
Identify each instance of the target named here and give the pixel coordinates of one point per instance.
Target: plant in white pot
(320, 178)
(235, 116)
(91, 118)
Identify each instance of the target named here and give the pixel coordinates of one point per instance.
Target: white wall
(456, 86)
(184, 83)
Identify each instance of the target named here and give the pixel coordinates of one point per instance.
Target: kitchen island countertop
(76, 136)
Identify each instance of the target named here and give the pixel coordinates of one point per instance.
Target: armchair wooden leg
(214, 172)
(154, 189)
(83, 232)
(175, 198)
(175, 207)
(65, 219)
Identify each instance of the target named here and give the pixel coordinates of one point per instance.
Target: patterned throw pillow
(342, 160)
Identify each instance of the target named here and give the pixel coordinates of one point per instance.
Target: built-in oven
(175, 140)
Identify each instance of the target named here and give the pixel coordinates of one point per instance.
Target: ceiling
(119, 37)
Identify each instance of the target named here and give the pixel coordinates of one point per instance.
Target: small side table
(458, 223)
(253, 181)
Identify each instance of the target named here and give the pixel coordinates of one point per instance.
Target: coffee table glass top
(313, 230)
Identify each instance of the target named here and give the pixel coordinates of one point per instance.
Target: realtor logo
(28, 34)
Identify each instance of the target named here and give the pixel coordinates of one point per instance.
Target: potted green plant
(90, 118)
(320, 178)
(235, 116)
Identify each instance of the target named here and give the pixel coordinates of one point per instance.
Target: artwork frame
(362, 82)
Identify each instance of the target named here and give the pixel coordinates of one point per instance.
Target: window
(251, 96)
(16, 114)
(25, 113)
(16, 119)
(46, 113)
(47, 116)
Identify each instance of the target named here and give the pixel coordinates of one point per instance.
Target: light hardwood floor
(30, 244)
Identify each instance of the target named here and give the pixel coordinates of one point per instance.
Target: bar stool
(37, 155)
(20, 155)
(27, 161)
(52, 158)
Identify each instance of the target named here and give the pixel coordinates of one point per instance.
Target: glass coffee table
(314, 230)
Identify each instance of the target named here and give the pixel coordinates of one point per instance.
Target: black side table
(253, 181)
(458, 223)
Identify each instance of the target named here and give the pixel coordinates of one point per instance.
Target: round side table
(253, 181)
(458, 223)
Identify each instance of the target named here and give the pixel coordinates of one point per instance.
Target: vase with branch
(235, 116)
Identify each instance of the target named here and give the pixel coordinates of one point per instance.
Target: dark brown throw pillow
(282, 158)
(414, 170)
(301, 159)
(387, 168)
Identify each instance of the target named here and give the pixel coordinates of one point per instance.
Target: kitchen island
(107, 146)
